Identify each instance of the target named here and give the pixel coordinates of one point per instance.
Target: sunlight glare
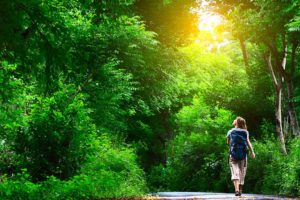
(208, 21)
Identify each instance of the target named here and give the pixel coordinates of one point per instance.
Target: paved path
(211, 196)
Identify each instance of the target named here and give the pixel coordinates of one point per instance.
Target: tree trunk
(277, 82)
(244, 51)
(291, 110)
(291, 107)
(281, 64)
(165, 119)
(278, 116)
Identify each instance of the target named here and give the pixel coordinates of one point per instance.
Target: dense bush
(197, 156)
(110, 171)
(267, 155)
(272, 172)
(19, 187)
(282, 174)
(56, 138)
(197, 162)
(65, 154)
(73, 70)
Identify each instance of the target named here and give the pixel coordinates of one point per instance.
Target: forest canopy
(107, 99)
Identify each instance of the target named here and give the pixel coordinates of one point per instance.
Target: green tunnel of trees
(105, 99)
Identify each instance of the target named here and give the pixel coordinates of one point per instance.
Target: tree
(263, 23)
(172, 20)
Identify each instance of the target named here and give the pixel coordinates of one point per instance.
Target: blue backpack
(238, 144)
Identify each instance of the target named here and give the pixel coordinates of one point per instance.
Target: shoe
(237, 193)
(240, 189)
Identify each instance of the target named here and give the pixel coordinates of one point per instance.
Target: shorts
(238, 169)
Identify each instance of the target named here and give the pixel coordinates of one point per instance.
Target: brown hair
(241, 123)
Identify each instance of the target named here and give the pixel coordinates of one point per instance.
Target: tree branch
(268, 59)
(284, 55)
(280, 62)
(244, 51)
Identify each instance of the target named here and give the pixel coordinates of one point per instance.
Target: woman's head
(240, 122)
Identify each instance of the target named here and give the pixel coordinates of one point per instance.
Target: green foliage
(9, 160)
(12, 104)
(199, 117)
(71, 70)
(196, 163)
(20, 187)
(73, 55)
(55, 140)
(218, 77)
(197, 154)
(110, 171)
(114, 170)
(271, 172)
(294, 26)
(291, 171)
(267, 154)
(11, 99)
(171, 19)
(221, 78)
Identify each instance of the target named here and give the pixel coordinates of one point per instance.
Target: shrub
(267, 158)
(197, 156)
(289, 171)
(19, 187)
(55, 139)
(111, 171)
(273, 173)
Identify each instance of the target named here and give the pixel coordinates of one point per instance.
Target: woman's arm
(250, 146)
(228, 137)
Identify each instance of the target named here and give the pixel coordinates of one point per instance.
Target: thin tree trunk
(278, 116)
(165, 118)
(278, 107)
(285, 126)
(288, 77)
(291, 110)
(244, 51)
(291, 107)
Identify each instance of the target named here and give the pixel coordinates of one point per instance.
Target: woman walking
(238, 138)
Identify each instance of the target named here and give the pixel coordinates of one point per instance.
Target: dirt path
(210, 196)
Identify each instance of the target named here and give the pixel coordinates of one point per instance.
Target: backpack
(238, 144)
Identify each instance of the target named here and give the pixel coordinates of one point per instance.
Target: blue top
(236, 129)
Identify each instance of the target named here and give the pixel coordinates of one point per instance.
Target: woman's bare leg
(236, 185)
